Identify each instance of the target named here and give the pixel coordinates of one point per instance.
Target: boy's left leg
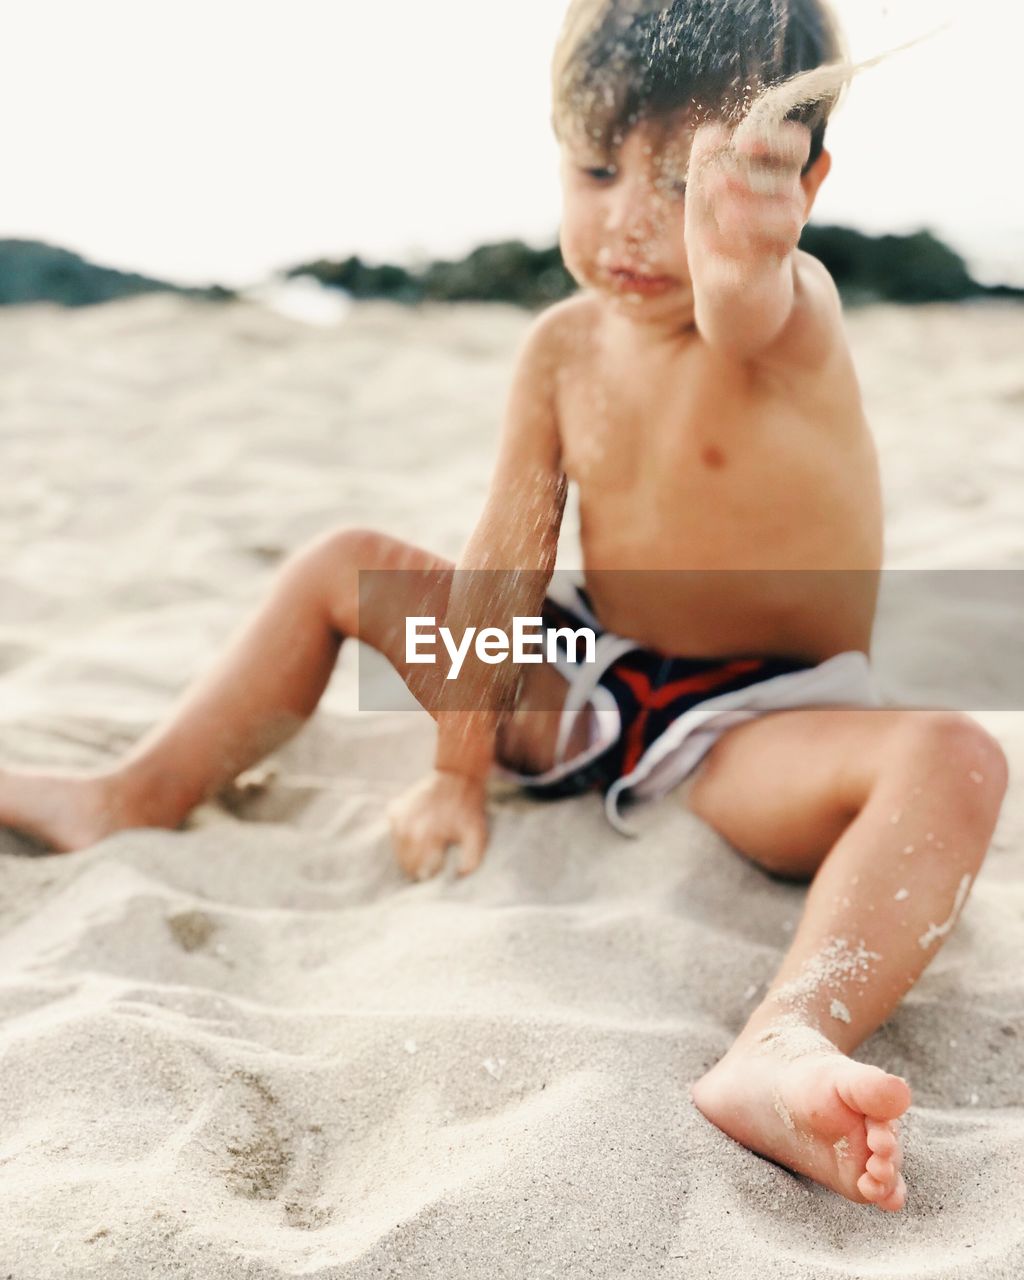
(891, 812)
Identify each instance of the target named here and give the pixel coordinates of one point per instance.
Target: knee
(344, 545)
(955, 753)
(328, 569)
(366, 578)
(336, 558)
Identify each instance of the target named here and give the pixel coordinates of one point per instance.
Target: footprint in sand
(256, 1141)
(191, 930)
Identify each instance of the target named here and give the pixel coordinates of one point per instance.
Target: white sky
(221, 139)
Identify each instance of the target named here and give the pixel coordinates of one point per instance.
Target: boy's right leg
(262, 690)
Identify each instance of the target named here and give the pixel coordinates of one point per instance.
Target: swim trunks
(653, 718)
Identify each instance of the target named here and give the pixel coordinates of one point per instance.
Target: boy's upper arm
(527, 489)
(813, 329)
(529, 436)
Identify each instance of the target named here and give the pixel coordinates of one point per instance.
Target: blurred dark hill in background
(910, 269)
(505, 272)
(31, 271)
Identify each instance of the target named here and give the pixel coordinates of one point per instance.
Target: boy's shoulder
(812, 336)
(814, 333)
(815, 284)
(557, 329)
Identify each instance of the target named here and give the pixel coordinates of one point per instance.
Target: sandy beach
(252, 1048)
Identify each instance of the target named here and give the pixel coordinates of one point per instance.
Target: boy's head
(621, 62)
(633, 79)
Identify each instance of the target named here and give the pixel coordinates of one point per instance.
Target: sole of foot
(822, 1115)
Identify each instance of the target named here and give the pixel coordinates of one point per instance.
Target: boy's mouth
(635, 282)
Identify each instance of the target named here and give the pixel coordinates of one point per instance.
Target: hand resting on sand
(440, 810)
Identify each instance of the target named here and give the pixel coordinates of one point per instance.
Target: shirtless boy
(700, 394)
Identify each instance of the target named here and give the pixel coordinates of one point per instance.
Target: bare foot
(791, 1095)
(64, 811)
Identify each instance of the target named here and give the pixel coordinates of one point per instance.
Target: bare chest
(700, 467)
(626, 425)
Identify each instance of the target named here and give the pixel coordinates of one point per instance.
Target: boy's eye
(602, 174)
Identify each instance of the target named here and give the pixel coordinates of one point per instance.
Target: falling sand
(770, 108)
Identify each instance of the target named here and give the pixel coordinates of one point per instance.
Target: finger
(743, 239)
(473, 846)
(787, 146)
(756, 212)
(733, 209)
(430, 865)
(740, 202)
(709, 150)
(760, 189)
(709, 140)
(767, 180)
(409, 862)
(415, 855)
(707, 195)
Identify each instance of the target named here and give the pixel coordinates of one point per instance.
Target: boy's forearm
(486, 592)
(466, 743)
(742, 306)
(485, 694)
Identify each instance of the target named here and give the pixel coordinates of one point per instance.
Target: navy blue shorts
(651, 691)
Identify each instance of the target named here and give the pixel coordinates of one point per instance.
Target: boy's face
(622, 219)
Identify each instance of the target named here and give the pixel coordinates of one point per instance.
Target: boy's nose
(637, 212)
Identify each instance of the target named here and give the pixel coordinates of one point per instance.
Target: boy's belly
(714, 586)
(811, 615)
(775, 550)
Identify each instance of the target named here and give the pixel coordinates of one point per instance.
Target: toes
(884, 1195)
(871, 1189)
(883, 1171)
(874, 1092)
(896, 1199)
(881, 1139)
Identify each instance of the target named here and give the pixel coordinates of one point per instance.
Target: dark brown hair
(622, 61)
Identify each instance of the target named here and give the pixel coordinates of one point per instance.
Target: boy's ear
(811, 181)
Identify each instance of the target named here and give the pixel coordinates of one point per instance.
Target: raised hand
(745, 202)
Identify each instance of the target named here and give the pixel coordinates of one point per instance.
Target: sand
(251, 1048)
